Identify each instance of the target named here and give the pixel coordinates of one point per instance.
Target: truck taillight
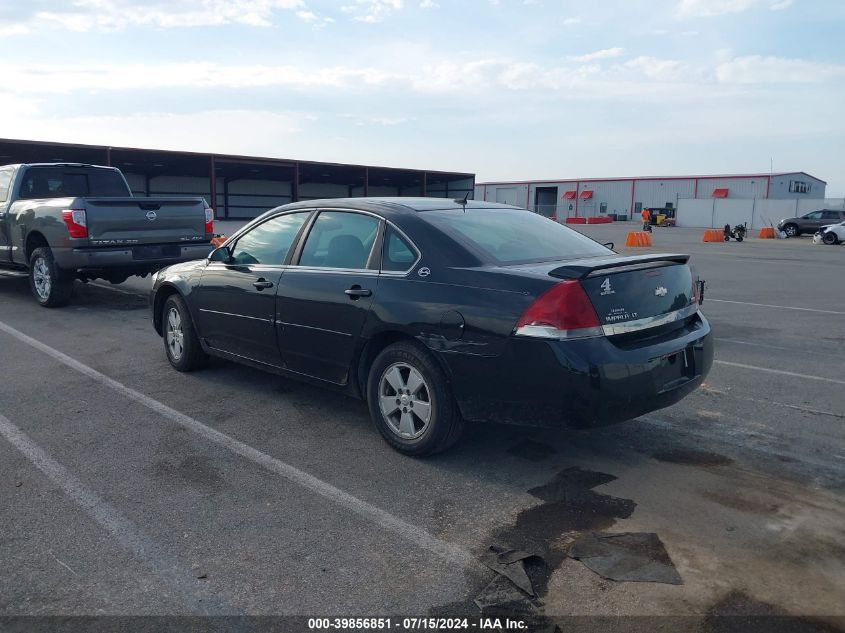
(76, 223)
(209, 220)
(562, 312)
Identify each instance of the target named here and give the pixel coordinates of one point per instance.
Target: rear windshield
(514, 236)
(63, 182)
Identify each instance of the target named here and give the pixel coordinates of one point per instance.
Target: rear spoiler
(582, 268)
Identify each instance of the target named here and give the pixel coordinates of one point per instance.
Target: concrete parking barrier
(638, 238)
(767, 233)
(714, 235)
(576, 220)
(604, 220)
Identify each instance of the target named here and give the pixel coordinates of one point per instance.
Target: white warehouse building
(626, 197)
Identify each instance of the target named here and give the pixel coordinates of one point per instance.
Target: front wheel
(411, 401)
(180, 338)
(51, 286)
(791, 230)
(830, 238)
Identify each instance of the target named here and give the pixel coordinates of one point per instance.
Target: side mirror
(608, 245)
(222, 254)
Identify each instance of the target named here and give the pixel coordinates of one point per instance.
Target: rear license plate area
(155, 251)
(675, 369)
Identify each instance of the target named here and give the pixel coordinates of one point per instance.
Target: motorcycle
(738, 232)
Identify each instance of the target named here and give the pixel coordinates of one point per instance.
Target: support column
(295, 184)
(212, 179)
(425, 184)
(366, 182)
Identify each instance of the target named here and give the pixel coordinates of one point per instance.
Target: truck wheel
(180, 338)
(51, 286)
(411, 401)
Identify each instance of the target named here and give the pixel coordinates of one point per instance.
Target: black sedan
(438, 311)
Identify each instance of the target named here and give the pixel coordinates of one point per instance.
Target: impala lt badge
(660, 291)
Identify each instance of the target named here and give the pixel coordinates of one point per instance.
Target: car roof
(398, 204)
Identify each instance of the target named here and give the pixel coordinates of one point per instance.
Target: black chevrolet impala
(437, 311)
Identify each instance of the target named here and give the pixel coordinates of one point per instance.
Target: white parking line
(113, 289)
(792, 350)
(780, 372)
(766, 305)
(132, 538)
(416, 535)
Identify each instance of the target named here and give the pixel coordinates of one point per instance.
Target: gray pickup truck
(62, 222)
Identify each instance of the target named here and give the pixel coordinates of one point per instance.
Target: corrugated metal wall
(754, 187)
(780, 187)
(656, 193)
(616, 194)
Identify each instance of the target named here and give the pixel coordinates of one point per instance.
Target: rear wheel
(411, 401)
(791, 230)
(830, 238)
(180, 338)
(51, 286)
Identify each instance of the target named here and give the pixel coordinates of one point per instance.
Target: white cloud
(168, 131)
(605, 53)
(372, 11)
(709, 8)
(428, 4)
(658, 69)
(112, 15)
(571, 21)
(756, 69)
(7, 30)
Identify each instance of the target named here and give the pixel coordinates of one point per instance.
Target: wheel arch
(374, 346)
(34, 239)
(162, 294)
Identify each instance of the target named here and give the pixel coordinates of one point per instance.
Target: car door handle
(357, 291)
(261, 284)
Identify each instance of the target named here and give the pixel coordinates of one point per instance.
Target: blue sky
(508, 89)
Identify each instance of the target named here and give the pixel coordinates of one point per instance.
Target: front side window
(398, 255)
(340, 239)
(511, 236)
(815, 215)
(269, 242)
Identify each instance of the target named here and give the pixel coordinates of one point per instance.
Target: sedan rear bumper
(586, 382)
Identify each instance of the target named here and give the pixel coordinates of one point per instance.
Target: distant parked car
(811, 222)
(832, 234)
(438, 311)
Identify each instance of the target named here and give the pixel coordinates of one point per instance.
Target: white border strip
(780, 372)
(766, 305)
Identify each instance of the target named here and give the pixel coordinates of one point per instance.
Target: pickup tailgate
(131, 221)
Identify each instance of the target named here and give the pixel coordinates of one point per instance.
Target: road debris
(626, 557)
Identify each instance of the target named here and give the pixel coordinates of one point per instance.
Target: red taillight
(209, 220)
(564, 311)
(76, 223)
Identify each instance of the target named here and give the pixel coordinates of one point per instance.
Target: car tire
(791, 230)
(51, 286)
(181, 343)
(830, 238)
(403, 375)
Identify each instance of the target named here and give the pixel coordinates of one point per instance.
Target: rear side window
(269, 242)
(830, 215)
(513, 236)
(5, 182)
(398, 255)
(52, 182)
(340, 239)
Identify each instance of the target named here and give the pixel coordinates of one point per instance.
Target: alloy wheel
(175, 335)
(41, 278)
(405, 400)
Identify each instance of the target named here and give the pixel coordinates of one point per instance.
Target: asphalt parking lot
(128, 488)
